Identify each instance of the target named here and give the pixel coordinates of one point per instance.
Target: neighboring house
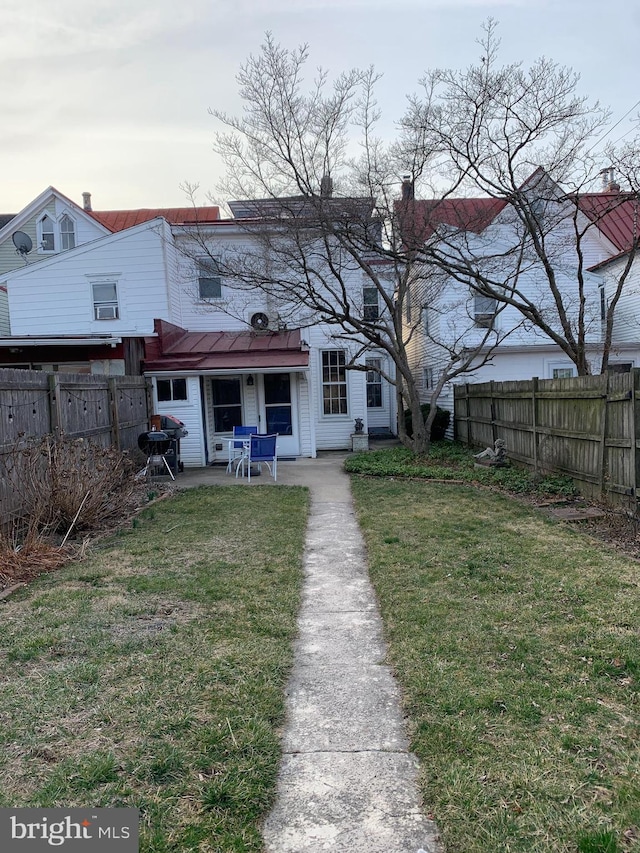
(73, 317)
(484, 228)
(137, 298)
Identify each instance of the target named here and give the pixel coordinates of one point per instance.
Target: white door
(279, 410)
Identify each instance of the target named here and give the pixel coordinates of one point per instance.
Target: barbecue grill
(156, 444)
(175, 430)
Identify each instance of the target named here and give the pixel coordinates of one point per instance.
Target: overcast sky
(112, 96)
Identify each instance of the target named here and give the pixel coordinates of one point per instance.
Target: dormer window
(46, 236)
(67, 232)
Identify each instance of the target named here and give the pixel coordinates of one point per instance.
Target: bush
(64, 480)
(440, 423)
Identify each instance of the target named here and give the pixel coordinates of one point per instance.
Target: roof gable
(40, 203)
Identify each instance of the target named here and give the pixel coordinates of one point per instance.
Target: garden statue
(496, 457)
(359, 425)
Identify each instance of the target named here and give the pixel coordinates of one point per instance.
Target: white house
(217, 355)
(453, 316)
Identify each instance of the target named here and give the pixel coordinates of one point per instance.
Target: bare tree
(526, 142)
(317, 193)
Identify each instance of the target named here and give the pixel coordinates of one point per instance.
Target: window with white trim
(562, 372)
(334, 382)
(428, 377)
(105, 300)
(67, 232)
(209, 279)
(374, 383)
(46, 234)
(484, 311)
(370, 307)
(171, 389)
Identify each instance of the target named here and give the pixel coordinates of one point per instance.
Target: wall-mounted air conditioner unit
(106, 312)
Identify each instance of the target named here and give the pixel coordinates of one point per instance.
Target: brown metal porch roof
(176, 349)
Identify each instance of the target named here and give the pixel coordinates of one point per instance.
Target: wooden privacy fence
(587, 428)
(110, 411)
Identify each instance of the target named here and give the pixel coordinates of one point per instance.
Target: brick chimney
(86, 201)
(408, 189)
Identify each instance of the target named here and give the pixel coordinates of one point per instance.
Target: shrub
(63, 480)
(440, 423)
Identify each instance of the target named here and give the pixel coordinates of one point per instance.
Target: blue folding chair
(236, 448)
(262, 448)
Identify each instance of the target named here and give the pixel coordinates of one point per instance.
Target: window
(484, 311)
(620, 366)
(428, 377)
(67, 232)
(374, 383)
(209, 280)
(227, 404)
(277, 403)
(105, 300)
(171, 389)
(334, 382)
(47, 234)
(562, 373)
(370, 308)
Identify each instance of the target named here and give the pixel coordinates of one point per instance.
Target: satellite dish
(259, 321)
(22, 242)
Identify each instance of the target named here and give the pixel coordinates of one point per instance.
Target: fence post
(468, 410)
(635, 437)
(148, 385)
(55, 409)
(534, 421)
(114, 416)
(602, 462)
(493, 417)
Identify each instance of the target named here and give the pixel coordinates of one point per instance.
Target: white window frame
(370, 306)
(429, 379)
(40, 231)
(561, 367)
(336, 365)
(65, 233)
(204, 269)
(484, 311)
(172, 387)
(100, 306)
(374, 378)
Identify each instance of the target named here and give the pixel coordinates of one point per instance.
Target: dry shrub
(69, 481)
(26, 553)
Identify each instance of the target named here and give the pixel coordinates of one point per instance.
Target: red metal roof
(616, 214)
(118, 220)
(176, 349)
(420, 218)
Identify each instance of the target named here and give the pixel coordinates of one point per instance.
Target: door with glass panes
(279, 410)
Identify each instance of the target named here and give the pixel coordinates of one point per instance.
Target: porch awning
(174, 349)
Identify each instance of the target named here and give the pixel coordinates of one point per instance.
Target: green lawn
(515, 640)
(151, 674)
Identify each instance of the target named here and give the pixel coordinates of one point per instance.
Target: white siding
(190, 412)
(61, 287)
(5, 326)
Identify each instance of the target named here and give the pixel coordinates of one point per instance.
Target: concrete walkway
(347, 781)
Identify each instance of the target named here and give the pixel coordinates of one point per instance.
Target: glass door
(280, 411)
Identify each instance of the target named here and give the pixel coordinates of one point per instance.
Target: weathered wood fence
(587, 427)
(111, 411)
